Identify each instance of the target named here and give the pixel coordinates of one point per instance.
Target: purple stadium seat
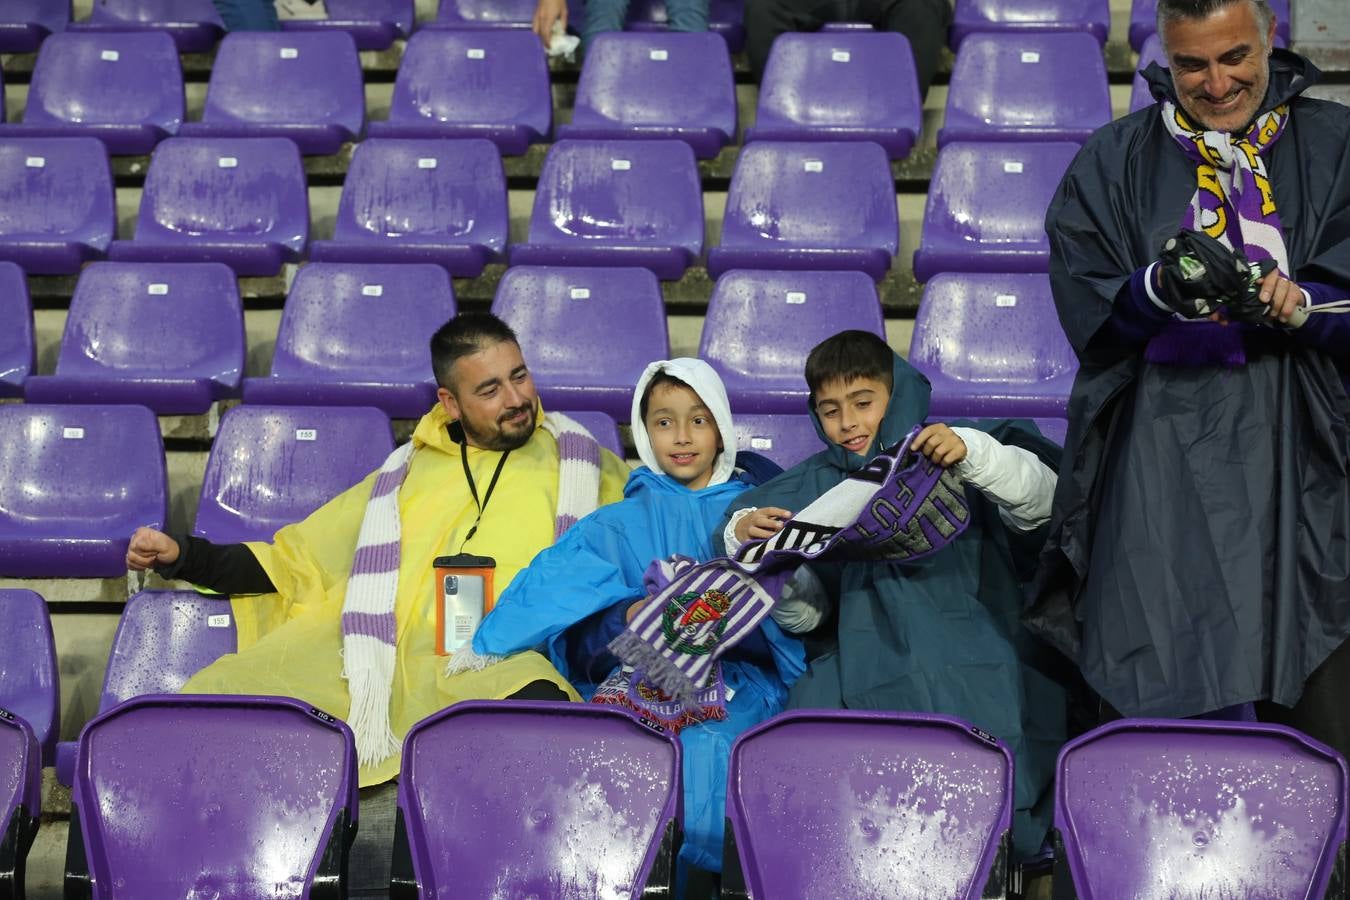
(274, 465)
(1026, 87)
(20, 800)
(1168, 808)
(589, 332)
(355, 334)
(657, 85)
(194, 25)
(867, 804)
(373, 24)
(304, 86)
(986, 207)
(1143, 20)
(840, 86)
(162, 640)
(1151, 52)
(761, 325)
(463, 14)
(169, 336)
(809, 206)
(78, 481)
(617, 203)
(124, 89)
(785, 438)
(991, 345)
(190, 796)
(602, 427)
(56, 203)
(589, 809)
(29, 684)
(18, 348)
(240, 201)
(998, 16)
(421, 201)
(725, 17)
(486, 83)
(25, 24)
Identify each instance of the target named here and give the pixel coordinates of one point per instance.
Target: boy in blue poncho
(577, 595)
(941, 634)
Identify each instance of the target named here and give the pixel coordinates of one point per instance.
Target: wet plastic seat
(20, 800)
(590, 809)
(57, 209)
(373, 24)
(25, 24)
(169, 336)
(18, 348)
(194, 25)
(785, 438)
(1001, 16)
(29, 681)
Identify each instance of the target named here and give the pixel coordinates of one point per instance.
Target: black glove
(1248, 307)
(1198, 274)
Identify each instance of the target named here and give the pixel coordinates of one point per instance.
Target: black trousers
(924, 22)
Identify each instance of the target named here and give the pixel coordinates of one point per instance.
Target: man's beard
(502, 436)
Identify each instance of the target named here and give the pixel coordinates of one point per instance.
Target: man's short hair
(848, 356)
(1172, 10)
(466, 333)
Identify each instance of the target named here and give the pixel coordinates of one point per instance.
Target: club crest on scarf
(899, 507)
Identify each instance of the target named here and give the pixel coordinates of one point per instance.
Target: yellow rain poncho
(290, 642)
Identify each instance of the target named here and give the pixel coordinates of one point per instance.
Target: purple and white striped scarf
(1234, 203)
(898, 507)
(369, 627)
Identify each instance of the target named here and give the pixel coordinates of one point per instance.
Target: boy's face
(851, 412)
(683, 433)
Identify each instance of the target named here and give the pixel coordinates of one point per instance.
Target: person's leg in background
(248, 15)
(925, 23)
(1323, 712)
(602, 16)
(765, 20)
(687, 15)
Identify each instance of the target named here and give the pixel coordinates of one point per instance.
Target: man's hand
(545, 14)
(1281, 296)
(149, 548)
(940, 444)
(762, 523)
(1196, 274)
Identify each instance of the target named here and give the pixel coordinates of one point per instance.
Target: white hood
(706, 383)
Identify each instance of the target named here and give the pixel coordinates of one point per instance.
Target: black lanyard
(473, 489)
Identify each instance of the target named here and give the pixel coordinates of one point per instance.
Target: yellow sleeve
(614, 474)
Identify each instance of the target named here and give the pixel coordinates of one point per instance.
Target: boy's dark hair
(466, 333)
(848, 356)
(660, 378)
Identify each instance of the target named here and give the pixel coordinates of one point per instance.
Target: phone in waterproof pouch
(463, 597)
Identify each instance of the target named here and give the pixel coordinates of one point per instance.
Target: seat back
(29, 680)
(812, 194)
(1167, 808)
(864, 804)
(589, 808)
(1150, 52)
(245, 797)
(471, 80)
(311, 78)
(373, 24)
(132, 83)
(25, 24)
(992, 345)
(274, 465)
(148, 320)
(195, 25)
(20, 798)
(859, 85)
(487, 14)
(54, 191)
(571, 317)
(619, 193)
(760, 326)
(424, 191)
(1144, 15)
(237, 189)
(1028, 87)
(602, 427)
(162, 640)
(785, 438)
(18, 347)
(971, 16)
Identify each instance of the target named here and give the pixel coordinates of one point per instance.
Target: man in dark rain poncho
(1199, 555)
(939, 634)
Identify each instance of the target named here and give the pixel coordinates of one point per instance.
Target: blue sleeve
(585, 646)
(1134, 316)
(1327, 331)
(575, 578)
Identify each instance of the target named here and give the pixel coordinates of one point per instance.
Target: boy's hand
(634, 609)
(940, 444)
(150, 548)
(762, 523)
(545, 14)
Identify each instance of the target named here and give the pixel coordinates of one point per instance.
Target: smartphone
(464, 597)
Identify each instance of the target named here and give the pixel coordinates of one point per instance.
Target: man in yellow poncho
(339, 609)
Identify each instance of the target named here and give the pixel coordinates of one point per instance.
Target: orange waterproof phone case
(463, 597)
